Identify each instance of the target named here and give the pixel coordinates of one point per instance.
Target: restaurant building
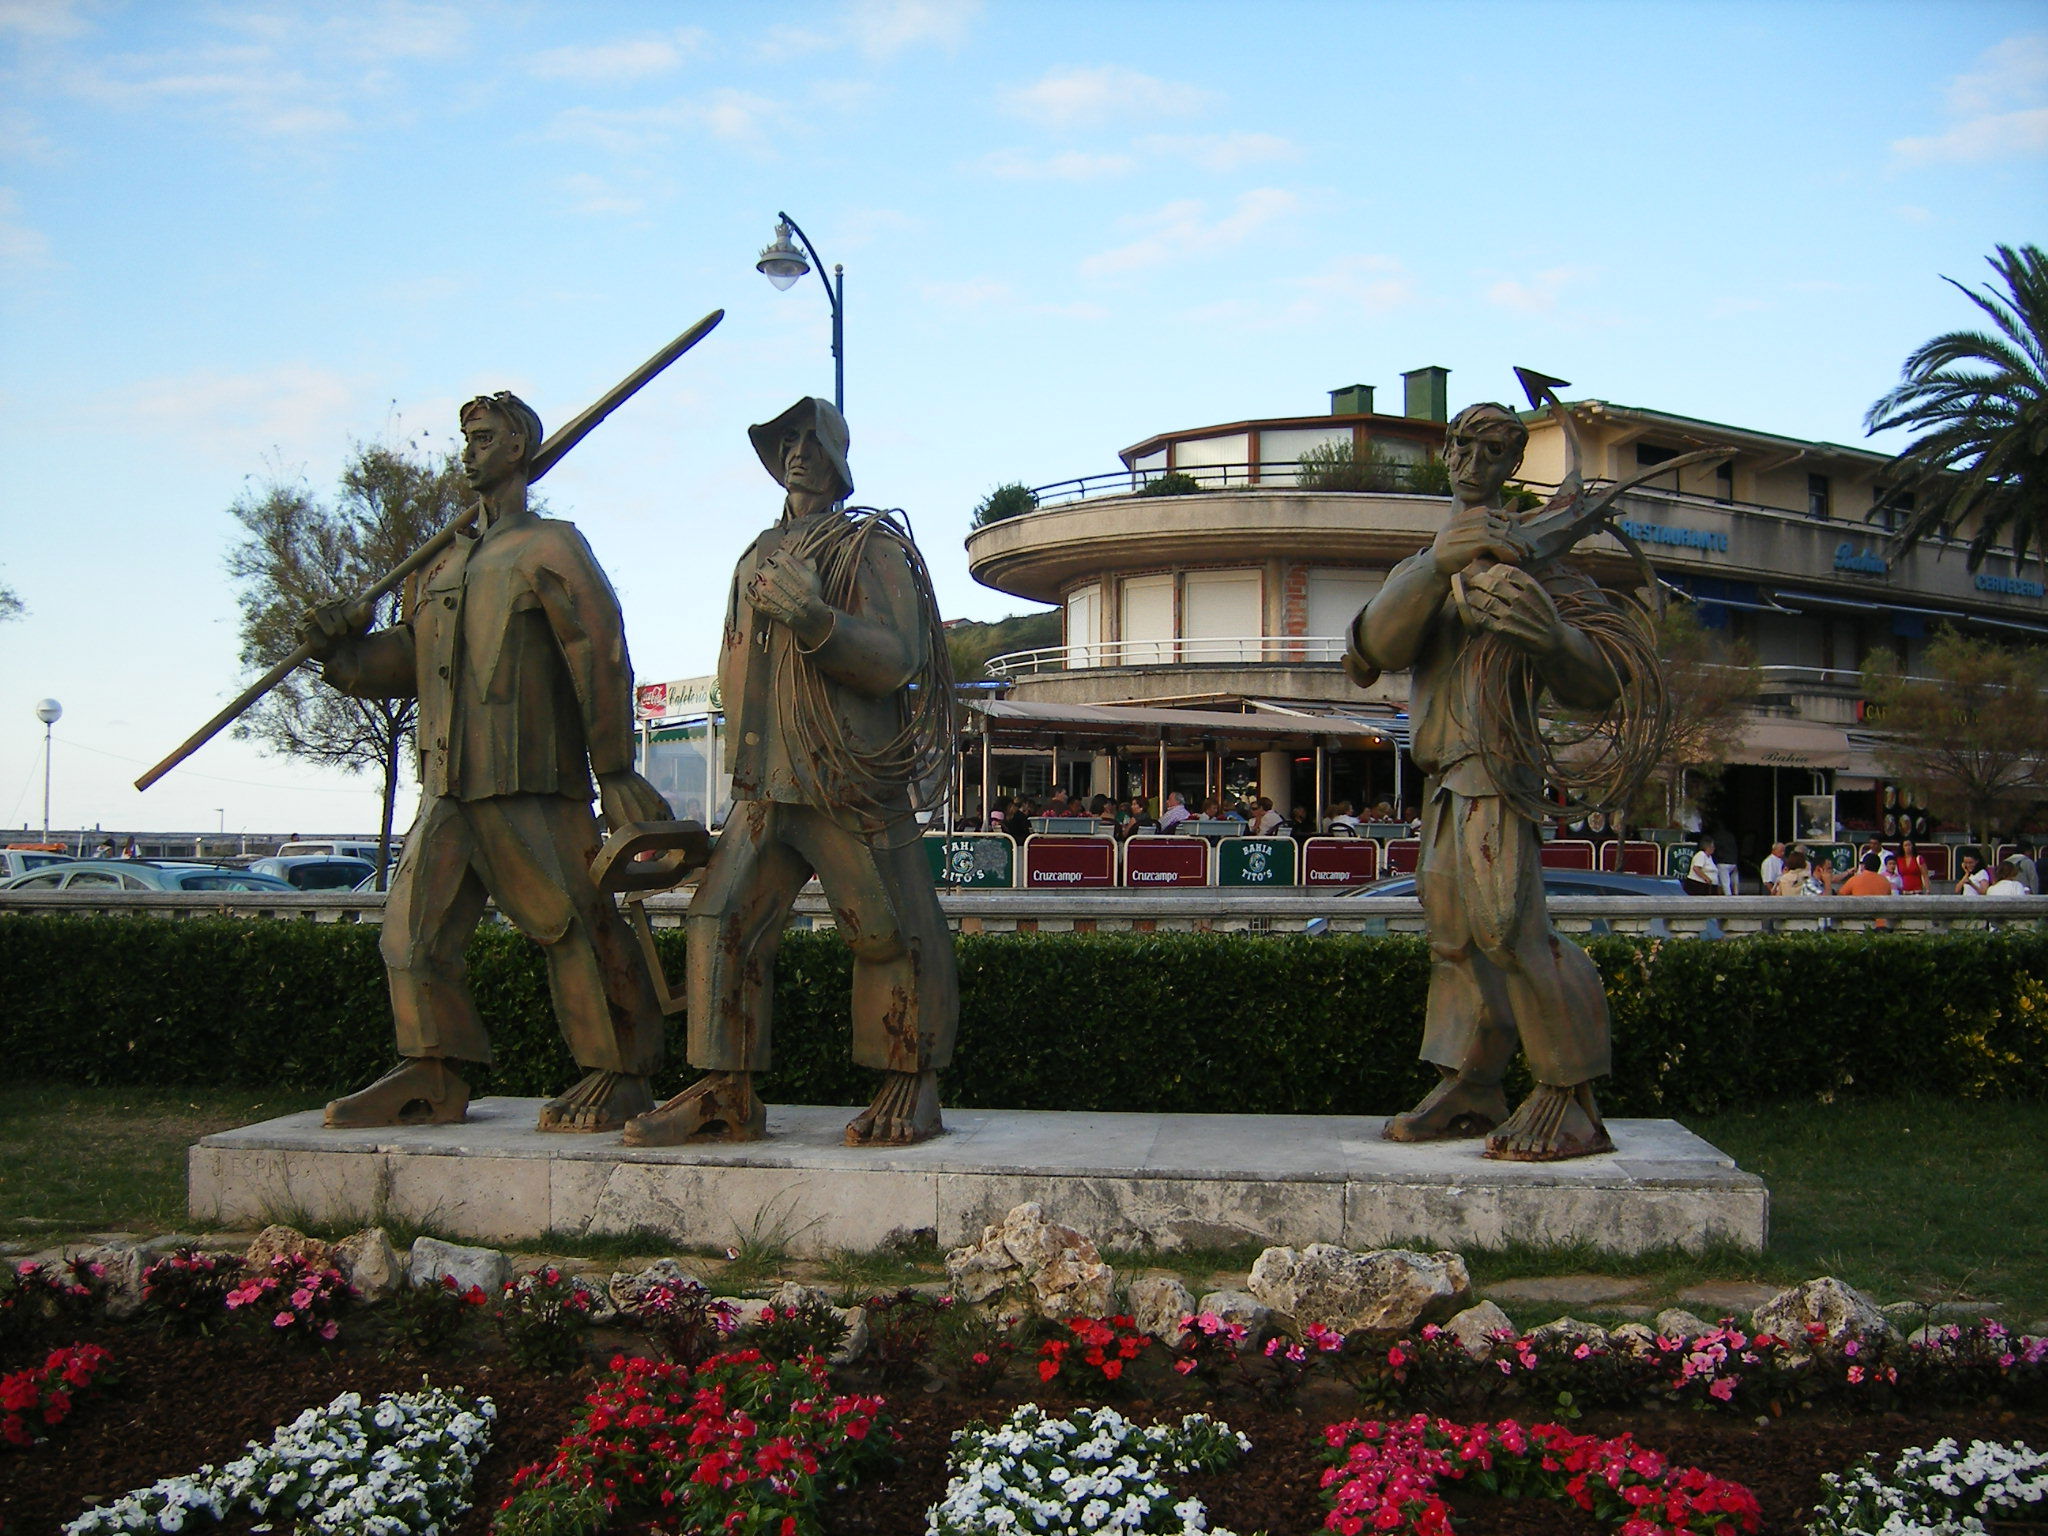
(1216, 573)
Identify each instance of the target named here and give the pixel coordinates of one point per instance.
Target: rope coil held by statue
(875, 788)
(1593, 762)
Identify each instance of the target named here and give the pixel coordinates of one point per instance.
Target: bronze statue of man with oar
(513, 643)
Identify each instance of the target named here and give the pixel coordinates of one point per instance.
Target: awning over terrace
(1042, 724)
(1773, 743)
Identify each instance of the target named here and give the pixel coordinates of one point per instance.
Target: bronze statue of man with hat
(838, 725)
(513, 644)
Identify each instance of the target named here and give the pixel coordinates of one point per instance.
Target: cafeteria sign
(667, 701)
(1255, 861)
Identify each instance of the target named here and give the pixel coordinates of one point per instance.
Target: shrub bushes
(1191, 1022)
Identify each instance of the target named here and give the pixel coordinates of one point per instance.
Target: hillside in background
(971, 643)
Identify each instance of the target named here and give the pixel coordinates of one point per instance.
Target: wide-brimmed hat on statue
(823, 418)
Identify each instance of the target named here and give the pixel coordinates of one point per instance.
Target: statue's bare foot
(1457, 1106)
(1551, 1125)
(905, 1110)
(422, 1090)
(718, 1106)
(603, 1101)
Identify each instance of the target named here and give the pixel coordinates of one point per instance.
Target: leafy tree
(1966, 729)
(1711, 683)
(10, 604)
(300, 552)
(1979, 400)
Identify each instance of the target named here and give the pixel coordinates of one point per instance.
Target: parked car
(142, 875)
(330, 847)
(1556, 882)
(316, 872)
(19, 861)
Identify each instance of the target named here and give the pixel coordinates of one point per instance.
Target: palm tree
(1979, 399)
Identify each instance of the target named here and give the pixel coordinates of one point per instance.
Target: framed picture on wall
(1813, 818)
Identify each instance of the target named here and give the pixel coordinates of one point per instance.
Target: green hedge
(1164, 1021)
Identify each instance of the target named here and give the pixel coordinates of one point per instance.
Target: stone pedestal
(1128, 1180)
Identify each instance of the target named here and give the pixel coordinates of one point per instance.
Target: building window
(1892, 515)
(1724, 480)
(1817, 496)
(1650, 453)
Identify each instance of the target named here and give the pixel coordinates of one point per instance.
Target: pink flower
(1722, 1390)
(282, 1320)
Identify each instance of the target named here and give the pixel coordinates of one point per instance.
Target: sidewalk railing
(1205, 909)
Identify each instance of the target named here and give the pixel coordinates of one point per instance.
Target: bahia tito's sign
(1860, 562)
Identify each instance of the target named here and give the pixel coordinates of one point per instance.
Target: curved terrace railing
(1379, 478)
(1294, 650)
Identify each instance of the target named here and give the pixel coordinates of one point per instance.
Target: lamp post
(782, 263)
(49, 711)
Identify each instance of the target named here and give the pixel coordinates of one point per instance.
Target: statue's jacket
(780, 697)
(514, 645)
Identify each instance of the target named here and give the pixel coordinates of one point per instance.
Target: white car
(19, 861)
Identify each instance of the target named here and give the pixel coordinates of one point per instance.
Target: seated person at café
(1976, 879)
(2010, 881)
(1341, 823)
(1868, 880)
(1176, 812)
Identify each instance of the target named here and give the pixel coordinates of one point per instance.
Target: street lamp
(49, 711)
(782, 263)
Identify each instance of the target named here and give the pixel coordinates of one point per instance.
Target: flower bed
(1389, 1477)
(1941, 1490)
(180, 1402)
(739, 1444)
(1092, 1470)
(37, 1398)
(401, 1466)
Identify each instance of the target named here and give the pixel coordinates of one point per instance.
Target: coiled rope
(873, 789)
(1595, 762)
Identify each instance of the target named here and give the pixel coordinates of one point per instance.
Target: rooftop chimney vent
(1351, 400)
(1426, 394)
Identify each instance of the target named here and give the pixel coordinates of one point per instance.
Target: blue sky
(236, 238)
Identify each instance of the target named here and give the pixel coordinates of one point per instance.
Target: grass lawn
(1909, 1199)
(80, 1160)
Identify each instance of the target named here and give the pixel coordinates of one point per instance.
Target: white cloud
(593, 194)
(1993, 136)
(2000, 107)
(632, 58)
(243, 84)
(2011, 73)
(1913, 213)
(726, 114)
(1540, 294)
(1354, 285)
(1072, 165)
(878, 29)
(732, 114)
(883, 28)
(972, 293)
(1083, 96)
(41, 19)
(237, 418)
(1221, 152)
(1184, 228)
(21, 246)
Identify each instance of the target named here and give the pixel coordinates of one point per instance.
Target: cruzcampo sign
(972, 860)
(1255, 861)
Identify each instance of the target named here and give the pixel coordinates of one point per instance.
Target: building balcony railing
(1383, 478)
(1392, 478)
(1273, 650)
